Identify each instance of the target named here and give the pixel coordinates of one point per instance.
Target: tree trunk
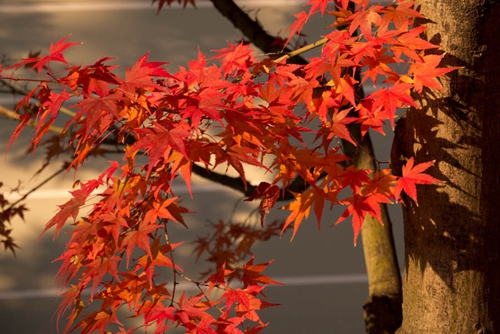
(382, 311)
(451, 282)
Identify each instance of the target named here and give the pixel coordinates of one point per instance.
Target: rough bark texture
(451, 282)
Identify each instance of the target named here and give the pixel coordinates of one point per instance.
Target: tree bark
(452, 249)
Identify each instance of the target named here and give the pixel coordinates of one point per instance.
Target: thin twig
(10, 114)
(62, 169)
(302, 50)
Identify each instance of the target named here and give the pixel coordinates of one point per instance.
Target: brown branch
(11, 114)
(298, 185)
(308, 47)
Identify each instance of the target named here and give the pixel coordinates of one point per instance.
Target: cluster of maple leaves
(234, 110)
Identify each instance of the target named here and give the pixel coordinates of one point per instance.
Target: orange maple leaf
(301, 208)
(425, 73)
(359, 207)
(413, 175)
(268, 194)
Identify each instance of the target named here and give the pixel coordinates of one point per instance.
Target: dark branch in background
(236, 183)
(252, 29)
(62, 169)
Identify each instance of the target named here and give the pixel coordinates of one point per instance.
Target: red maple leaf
(159, 142)
(235, 57)
(426, 72)
(396, 96)
(297, 26)
(158, 258)
(252, 274)
(364, 19)
(269, 194)
(55, 54)
(401, 14)
(218, 278)
(191, 309)
(68, 209)
(141, 75)
(91, 110)
(359, 207)
(317, 4)
(139, 238)
(413, 175)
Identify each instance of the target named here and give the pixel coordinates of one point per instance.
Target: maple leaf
(413, 175)
(71, 297)
(301, 208)
(401, 14)
(101, 266)
(159, 141)
(338, 125)
(160, 314)
(68, 209)
(139, 238)
(382, 182)
(426, 72)
(364, 20)
(410, 43)
(55, 54)
(95, 78)
(252, 274)
(92, 109)
(359, 206)
(161, 210)
(115, 224)
(392, 98)
(246, 303)
(317, 4)
(297, 26)
(237, 57)
(191, 308)
(158, 258)
(98, 321)
(141, 75)
(218, 278)
(54, 103)
(269, 195)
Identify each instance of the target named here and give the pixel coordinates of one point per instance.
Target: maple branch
(252, 29)
(62, 169)
(13, 89)
(11, 114)
(236, 183)
(171, 251)
(303, 49)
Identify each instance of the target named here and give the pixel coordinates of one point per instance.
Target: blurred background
(324, 275)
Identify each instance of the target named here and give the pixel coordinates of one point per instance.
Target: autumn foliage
(231, 109)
